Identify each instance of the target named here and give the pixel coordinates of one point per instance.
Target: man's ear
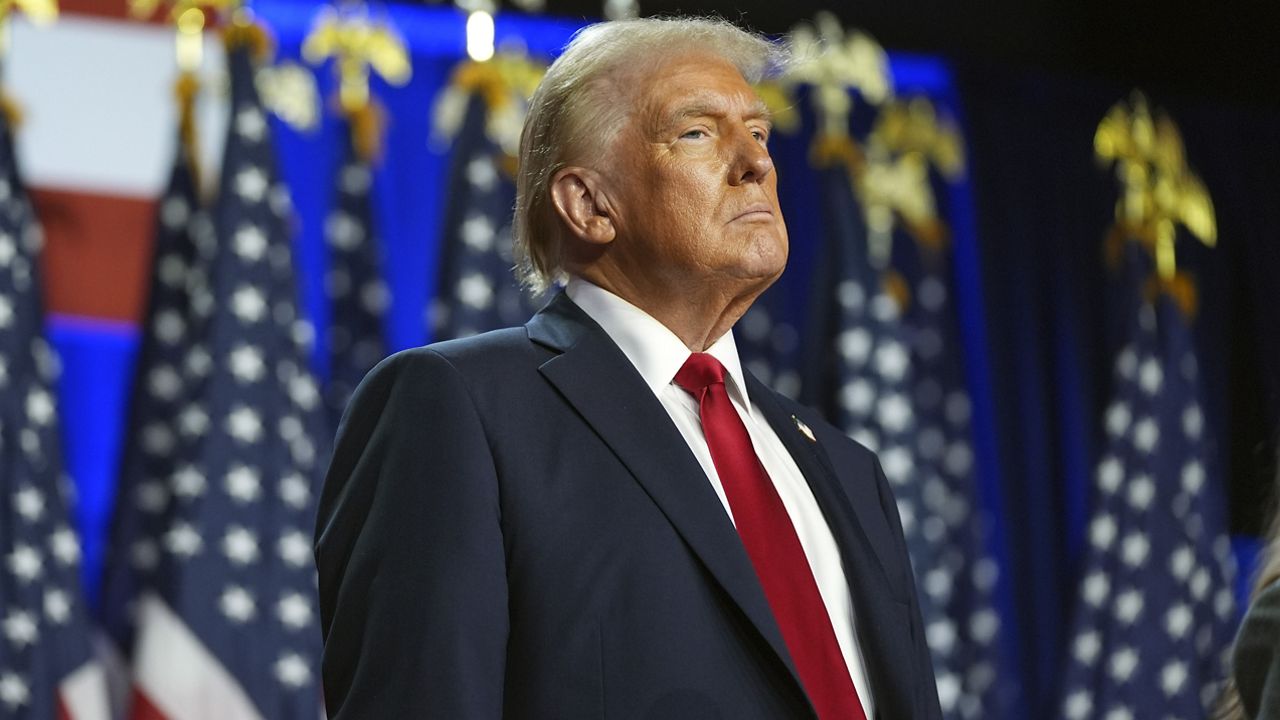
(578, 198)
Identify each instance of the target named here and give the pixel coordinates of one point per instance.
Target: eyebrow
(703, 108)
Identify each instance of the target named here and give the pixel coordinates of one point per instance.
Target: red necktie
(772, 544)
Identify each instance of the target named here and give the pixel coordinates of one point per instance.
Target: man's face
(697, 198)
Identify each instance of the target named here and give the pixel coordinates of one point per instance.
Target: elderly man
(601, 514)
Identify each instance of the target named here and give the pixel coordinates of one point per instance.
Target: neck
(699, 317)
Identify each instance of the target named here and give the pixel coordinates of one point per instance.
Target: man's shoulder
(486, 352)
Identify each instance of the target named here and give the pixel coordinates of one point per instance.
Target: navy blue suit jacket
(513, 527)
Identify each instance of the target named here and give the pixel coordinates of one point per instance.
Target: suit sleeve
(412, 571)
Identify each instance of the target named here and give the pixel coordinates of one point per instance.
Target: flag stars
(244, 424)
(855, 346)
(240, 545)
(891, 361)
(1178, 621)
(1135, 549)
(476, 291)
(65, 546)
(174, 213)
(1141, 492)
(1078, 705)
(1110, 474)
(1193, 477)
(1122, 664)
(1086, 647)
(182, 540)
(40, 406)
(14, 692)
(1096, 588)
(188, 482)
(57, 606)
(478, 233)
(250, 242)
(294, 491)
(1118, 419)
(237, 604)
(355, 179)
(164, 383)
(894, 413)
(169, 326)
(172, 270)
(250, 124)
(1146, 434)
(6, 312)
(247, 364)
(29, 503)
(343, 231)
(248, 304)
(1172, 677)
(144, 555)
(292, 671)
(193, 421)
(294, 611)
(302, 390)
(243, 484)
(295, 549)
(858, 397)
(150, 496)
(25, 563)
(1102, 531)
(481, 174)
(1128, 606)
(1192, 422)
(1151, 377)
(20, 628)
(7, 249)
(251, 184)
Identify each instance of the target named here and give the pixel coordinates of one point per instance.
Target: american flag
(975, 675)
(46, 668)
(1155, 609)
(159, 395)
(231, 630)
(353, 282)
(769, 342)
(475, 288)
(886, 387)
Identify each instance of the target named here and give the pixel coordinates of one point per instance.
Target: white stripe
(177, 672)
(98, 105)
(84, 693)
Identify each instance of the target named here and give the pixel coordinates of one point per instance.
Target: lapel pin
(804, 429)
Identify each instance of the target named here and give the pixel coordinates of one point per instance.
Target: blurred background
(1034, 262)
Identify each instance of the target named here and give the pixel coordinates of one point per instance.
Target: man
(600, 514)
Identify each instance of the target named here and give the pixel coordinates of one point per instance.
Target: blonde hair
(582, 104)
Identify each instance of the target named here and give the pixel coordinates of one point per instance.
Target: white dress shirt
(658, 355)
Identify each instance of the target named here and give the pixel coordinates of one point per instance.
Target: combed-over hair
(582, 104)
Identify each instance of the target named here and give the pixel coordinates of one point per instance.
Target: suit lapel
(847, 519)
(595, 377)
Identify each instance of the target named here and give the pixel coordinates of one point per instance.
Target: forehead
(696, 84)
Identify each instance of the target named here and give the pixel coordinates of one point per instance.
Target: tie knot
(698, 372)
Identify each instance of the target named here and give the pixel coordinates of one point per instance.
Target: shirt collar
(651, 347)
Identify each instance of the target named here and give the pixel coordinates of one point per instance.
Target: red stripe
(63, 712)
(97, 255)
(114, 9)
(141, 707)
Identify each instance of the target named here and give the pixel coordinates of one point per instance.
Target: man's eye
(760, 135)
(695, 134)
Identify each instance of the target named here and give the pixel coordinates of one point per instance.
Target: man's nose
(752, 163)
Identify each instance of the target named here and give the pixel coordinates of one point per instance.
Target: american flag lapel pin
(804, 429)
